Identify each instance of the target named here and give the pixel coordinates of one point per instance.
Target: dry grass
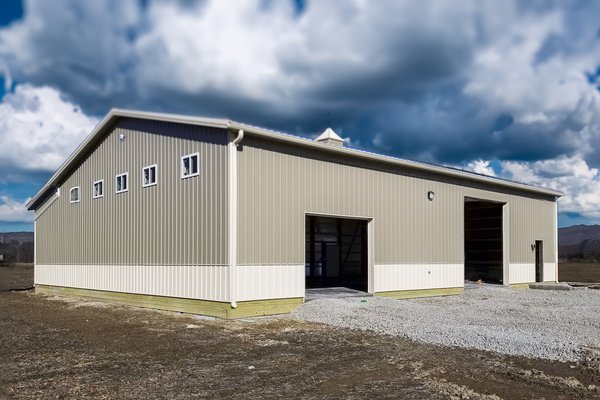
(579, 272)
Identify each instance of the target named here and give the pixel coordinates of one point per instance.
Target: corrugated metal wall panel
(279, 183)
(257, 282)
(549, 274)
(391, 277)
(521, 272)
(206, 282)
(177, 222)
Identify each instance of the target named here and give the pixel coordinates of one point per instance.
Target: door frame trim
(370, 242)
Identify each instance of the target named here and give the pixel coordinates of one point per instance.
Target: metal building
(220, 218)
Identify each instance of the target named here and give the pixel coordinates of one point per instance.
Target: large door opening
(336, 253)
(484, 248)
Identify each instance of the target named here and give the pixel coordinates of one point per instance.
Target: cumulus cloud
(14, 211)
(38, 130)
(83, 48)
(481, 167)
(414, 71)
(571, 175)
(451, 82)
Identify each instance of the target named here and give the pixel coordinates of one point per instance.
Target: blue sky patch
(12, 10)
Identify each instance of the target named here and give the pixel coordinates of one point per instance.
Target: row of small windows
(189, 168)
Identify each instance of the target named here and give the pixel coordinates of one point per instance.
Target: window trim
(155, 175)
(101, 181)
(181, 168)
(126, 175)
(78, 195)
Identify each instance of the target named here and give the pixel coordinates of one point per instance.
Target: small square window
(189, 165)
(122, 183)
(74, 194)
(98, 189)
(150, 175)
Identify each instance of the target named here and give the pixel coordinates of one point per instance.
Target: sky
(505, 88)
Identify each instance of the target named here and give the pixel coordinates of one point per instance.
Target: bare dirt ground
(61, 348)
(16, 277)
(579, 272)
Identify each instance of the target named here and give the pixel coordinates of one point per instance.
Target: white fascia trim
(182, 170)
(94, 196)
(144, 184)
(126, 175)
(78, 194)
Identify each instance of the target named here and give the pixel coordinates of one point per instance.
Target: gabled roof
(110, 119)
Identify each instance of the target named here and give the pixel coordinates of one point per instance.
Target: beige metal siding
(177, 222)
(278, 184)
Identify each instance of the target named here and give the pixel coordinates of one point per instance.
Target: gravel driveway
(554, 325)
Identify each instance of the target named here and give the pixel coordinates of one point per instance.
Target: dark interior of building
(483, 241)
(336, 253)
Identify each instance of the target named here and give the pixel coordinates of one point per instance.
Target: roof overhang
(110, 119)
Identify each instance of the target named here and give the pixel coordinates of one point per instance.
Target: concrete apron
(333, 293)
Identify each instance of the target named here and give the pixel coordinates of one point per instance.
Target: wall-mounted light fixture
(430, 195)
(533, 247)
(121, 136)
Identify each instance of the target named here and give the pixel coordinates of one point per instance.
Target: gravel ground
(553, 325)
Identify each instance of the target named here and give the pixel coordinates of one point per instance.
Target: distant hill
(16, 247)
(22, 237)
(579, 243)
(577, 233)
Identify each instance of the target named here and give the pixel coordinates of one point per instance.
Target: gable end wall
(169, 239)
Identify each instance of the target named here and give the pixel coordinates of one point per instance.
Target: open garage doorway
(484, 247)
(336, 253)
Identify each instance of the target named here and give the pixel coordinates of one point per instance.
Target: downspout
(239, 137)
(233, 201)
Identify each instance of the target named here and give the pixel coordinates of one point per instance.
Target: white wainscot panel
(391, 277)
(521, 273)
(206, 282)
(550, 272)
(258, 282)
